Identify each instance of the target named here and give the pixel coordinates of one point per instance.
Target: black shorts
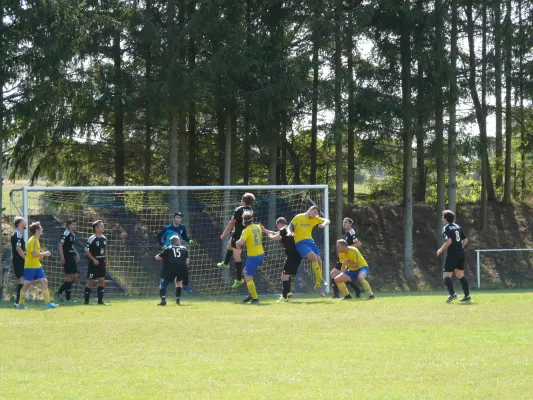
(70, 265)
(176, 273)
(291, 265)
(18, 266)
(96, 271)
(455, 261)
(234, 239)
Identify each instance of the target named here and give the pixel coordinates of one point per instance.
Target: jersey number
(458, 236)
(177, 253)
(257, 237)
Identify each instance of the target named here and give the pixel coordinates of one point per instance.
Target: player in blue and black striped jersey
(175, 228)
(455, 241)
(69, 259)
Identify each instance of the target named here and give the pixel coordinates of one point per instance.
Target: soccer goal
(507, 263)
(133, 217)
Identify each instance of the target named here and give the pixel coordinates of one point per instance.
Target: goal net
(133, 217)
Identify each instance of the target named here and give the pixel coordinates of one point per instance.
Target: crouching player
(252, 237)
(175, 267)
(354, 267)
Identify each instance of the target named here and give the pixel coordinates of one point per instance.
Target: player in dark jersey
(455, 241)
(293, 258)
(236, 224)
(175, 228)
(18, 248)
(350, 236)
(69, 259)
(175, 267)
(95, 250)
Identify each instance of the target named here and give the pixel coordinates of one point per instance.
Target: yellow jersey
(353, 256)
(302, 226)
(253, 237)
(31, 261)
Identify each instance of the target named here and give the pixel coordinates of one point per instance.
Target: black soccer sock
(19, 288)
(355, 287)
(449, 285)
(286, 288)
(100, 294)
(162, 292)
(178, 292)
(63, 287)
(229, 254)
(68, 290)
(87, 293)
(465, 286)
(238, 270)
(335, 289)
(290, 283)
(185, 280)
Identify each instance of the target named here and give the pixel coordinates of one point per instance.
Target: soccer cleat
(283, 300)
(60, 296)
(50, 306)
(71, 301)
(102, 303)
(465, 299)
(222, 265)
(347, 297)
(163, 303)
(188, 289)
(289, 295)
(451, 298)
(320, 292)
(371, 297)
(178, 302)
(254, 301)
(15, 305)
(19, 307)
(85, 303)
(237, 283)
(247, 298)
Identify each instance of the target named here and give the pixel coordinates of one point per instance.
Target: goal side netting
(134, 217)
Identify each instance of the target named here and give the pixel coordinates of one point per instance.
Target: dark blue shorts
(34, 274)
(307, 246)
(252, 263)
(354, 274)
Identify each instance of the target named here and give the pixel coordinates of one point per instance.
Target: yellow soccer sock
(251, 289)
(366, 286)
(318, 272)
(343, 288)
(22, 299)
(46, 297)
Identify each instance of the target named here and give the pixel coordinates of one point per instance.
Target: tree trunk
(338, 120)
(173, 109)
(182, 122)
(508, 109)
(235, 161)
(227, 150)
(295, 161)
(420, 102)
(523, 139)
(246, 148)
(118, 124)
(498, 91)
(480, 115)
(148, 109)
(351, 111)
(221, 140)
(314, 109)
(439, 116)
(193, 140)
(452, 132)
(405, 59)
(2, 134)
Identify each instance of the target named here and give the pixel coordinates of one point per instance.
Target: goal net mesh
(133, 220)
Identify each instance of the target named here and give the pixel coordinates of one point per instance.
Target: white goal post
(478, 253)
(134, 214)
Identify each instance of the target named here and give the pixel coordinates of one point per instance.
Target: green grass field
(395, 347)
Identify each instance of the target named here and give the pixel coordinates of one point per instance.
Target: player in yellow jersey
(33, 271)
(354, 267)
(302, 225)
(252, 236)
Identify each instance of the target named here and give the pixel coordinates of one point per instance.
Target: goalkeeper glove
(192, 243)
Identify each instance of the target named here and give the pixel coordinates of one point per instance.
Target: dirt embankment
(381, 230)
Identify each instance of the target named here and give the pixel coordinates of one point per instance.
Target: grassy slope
(396, 347)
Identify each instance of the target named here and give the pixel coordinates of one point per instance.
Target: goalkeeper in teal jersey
(175, 228)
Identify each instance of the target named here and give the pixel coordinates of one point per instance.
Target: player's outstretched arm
(325, 223)
(158, 257)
